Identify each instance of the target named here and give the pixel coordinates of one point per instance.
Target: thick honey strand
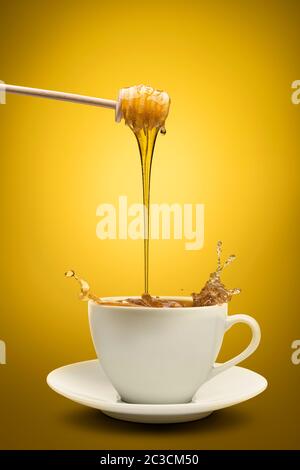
(146, 142)
(145, 110)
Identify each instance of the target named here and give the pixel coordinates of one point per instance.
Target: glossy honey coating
(144, 107)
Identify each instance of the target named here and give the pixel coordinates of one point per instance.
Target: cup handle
(255, 340)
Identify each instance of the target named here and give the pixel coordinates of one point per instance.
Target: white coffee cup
(163, 355)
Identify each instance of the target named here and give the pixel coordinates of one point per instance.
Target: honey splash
(214, 291)
(145, 110)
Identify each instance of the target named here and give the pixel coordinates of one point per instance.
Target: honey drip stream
(145, 110)
(146, 142)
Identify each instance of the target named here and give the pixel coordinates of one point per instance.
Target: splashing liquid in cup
(214, 292)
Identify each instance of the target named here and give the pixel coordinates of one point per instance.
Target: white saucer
(86, 383)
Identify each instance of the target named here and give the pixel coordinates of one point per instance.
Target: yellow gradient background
(232, 144)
